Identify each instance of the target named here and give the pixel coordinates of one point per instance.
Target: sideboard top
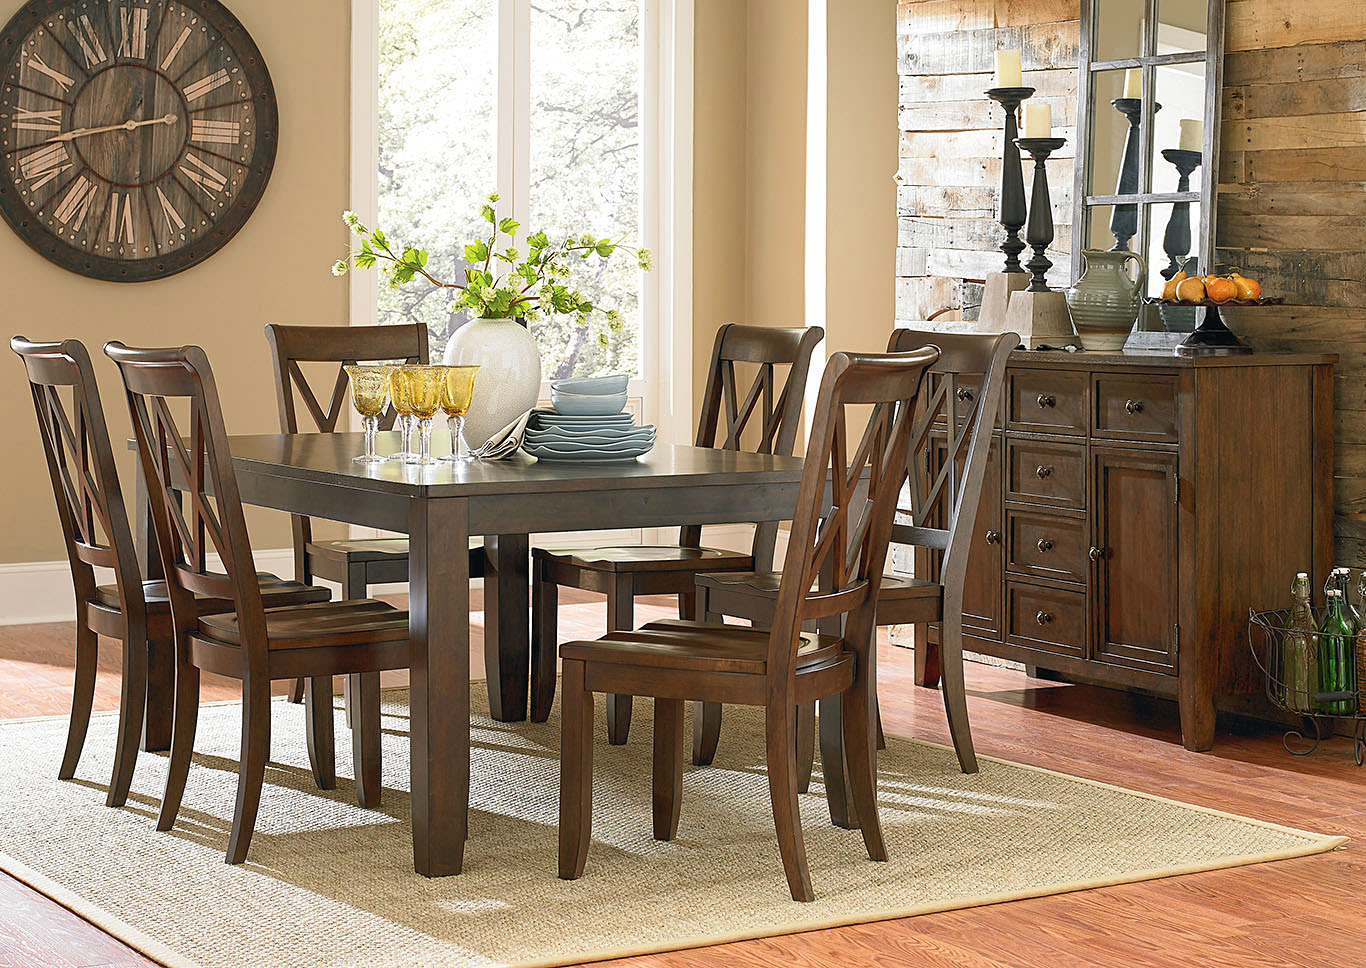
(1164, 358)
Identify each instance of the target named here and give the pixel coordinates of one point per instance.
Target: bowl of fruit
(1232, 289)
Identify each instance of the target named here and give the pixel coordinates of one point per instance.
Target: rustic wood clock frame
(219, 226)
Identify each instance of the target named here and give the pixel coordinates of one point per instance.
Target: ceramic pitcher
(1105, 301)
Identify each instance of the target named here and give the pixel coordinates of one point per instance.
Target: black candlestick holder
(1124, 218)
(1176, 240)
(1039, 232)
(1012, 175)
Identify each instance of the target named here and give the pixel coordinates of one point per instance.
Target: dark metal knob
(993, 537)
(1045, 400)
(964, 394)
(1097, 554)
(1041, 471)
(1042, 617)
(1132, 407)
(1045, 545)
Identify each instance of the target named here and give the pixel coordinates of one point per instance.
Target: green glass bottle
(1337, 670)
(1297, 674)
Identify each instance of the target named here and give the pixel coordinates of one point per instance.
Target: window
(542, 100)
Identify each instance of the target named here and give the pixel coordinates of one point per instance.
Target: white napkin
(505, 442)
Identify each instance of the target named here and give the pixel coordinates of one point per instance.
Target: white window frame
(664, 387)
(664, 390)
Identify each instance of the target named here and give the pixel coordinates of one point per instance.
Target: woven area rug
(327, 883)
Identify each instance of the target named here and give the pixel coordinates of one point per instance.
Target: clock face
(136, 136)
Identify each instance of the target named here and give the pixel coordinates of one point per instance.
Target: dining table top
(328, 459)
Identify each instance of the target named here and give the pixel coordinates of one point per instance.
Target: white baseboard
(32, 592)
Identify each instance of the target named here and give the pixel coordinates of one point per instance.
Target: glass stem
(457, 426)
(424, 440)
(405, 429)
(371, 426)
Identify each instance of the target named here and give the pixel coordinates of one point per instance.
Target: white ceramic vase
(509, 378)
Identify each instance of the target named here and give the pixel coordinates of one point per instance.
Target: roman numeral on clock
(173, 220)
(122, 229)
(89, 40)
(37, 64)
(76, 204)
(27, 120)
(215, 132)
(43, 165)
(134, 23)
(209, 179)
(206, 84)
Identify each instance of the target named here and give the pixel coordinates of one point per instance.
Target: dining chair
(764, 421)
(353, 563)
(950, 445)
(85, 483)
(251, 643)
(833, 566)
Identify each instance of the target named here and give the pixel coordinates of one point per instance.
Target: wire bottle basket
(1313, 675)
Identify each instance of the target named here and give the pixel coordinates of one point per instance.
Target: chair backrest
(80, 461)
(836, 552)
(190, 457)
(291, 346)
(770, 411)
(951, 441)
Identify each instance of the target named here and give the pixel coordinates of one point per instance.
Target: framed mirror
(1148, 137)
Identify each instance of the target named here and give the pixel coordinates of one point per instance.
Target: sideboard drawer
(1045, 472)
(1135, 407)
(1048, 545)
(1047, 401)
(1045, 618)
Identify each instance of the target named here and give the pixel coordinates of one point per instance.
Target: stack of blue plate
(587, 424)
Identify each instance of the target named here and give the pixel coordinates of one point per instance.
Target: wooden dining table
(439, 507)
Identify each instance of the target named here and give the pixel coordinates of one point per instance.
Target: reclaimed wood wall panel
(1292, 172)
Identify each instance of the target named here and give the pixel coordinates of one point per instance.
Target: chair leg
(357, 586)
(322, 752)
(132, 704)
(667, 787)
(82, 697)
(251, 771)
(184, 720)
(861, 759)
(576, 772)
(780, 738)
(955, 694)
(296, 692)
(927, 658)
(620, 617)
(545, 630)
(706, 731)
(806, 745)
(365, 738)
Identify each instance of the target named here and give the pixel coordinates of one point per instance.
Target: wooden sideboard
(1135, 507)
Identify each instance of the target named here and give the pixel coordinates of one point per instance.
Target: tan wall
(275, 269)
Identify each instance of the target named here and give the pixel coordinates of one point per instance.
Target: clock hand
(130, 125)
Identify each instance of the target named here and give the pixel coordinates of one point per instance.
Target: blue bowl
(580, 404)
(594, 386)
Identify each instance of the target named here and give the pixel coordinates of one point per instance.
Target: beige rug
(327, 883)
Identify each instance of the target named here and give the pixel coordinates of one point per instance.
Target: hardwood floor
(1303, 913)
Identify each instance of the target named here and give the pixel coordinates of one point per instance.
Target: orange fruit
(1220, 289)
(1190, 290)
(1246, 288)
(1169, 290)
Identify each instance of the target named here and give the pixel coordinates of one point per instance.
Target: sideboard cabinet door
(1135, 553)
(982, 596)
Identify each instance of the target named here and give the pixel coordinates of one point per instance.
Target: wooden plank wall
(1292, 172)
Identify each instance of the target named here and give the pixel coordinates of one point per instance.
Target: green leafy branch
(499, 283)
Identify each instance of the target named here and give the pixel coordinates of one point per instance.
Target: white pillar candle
(1192, 135)
(1008, 68)
(1038, 121)
(1133, 83)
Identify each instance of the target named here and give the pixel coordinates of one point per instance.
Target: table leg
(507, 628)
(439, 592)
(156, 722)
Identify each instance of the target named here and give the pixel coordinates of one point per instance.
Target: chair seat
(360, 549)
(325, 624)
(641, 558)
(275, 591)
(698, 647)
(900, 599)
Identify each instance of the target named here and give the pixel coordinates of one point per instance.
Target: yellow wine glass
(423, 385)
(456, 392)
(369, 395)
(398, 393)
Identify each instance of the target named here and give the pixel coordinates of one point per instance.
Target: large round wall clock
(136, 136)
